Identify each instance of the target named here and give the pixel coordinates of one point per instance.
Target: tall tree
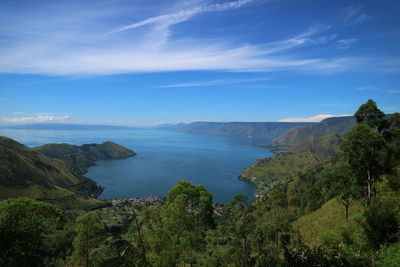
(88, 232)
(23, 225)
(176, 232)
(343, 184)
(371, 115)
(364, 149)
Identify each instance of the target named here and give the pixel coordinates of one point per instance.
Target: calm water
(163, 158)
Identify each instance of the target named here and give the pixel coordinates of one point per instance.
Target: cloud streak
(39, 118)
(346, 43)
(355, 15)
(215, 83)
(183, 15)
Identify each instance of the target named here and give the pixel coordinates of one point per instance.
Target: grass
(329, 223)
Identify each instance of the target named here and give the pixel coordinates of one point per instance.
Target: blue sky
(149, 62)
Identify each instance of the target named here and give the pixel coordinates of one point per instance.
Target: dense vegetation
(342, 210)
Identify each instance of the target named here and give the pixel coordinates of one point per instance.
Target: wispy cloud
(215, 82)
(346, 43)
(316, 118)
(39, 118)
(79, 44)
(393, 92)
(167, 20)
(355, 15)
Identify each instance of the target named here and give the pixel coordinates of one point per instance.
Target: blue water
(163, 158)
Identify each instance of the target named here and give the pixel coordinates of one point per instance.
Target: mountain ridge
(27, 172)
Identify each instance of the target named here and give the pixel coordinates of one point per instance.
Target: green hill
(283, 168)
(27, 172)
(327, 145)
(331, 126)
(329, 223)
(84, 156)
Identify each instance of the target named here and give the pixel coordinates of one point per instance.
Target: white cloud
(346, 43)
(316, 118)
(168, 20)
(394, 92)
(39, 118)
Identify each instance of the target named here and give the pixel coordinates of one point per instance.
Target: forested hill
(81, 157)
(260, 132)
(330, 126)
(27, 172)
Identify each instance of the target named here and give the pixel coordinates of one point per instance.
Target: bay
(163, 158)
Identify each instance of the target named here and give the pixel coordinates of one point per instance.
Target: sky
(144, 63)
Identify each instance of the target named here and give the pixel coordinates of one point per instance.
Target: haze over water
(163, 158)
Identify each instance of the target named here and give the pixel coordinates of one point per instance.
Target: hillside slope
(328, 145)
(283, 168)
(331, 126)
(26, 172)
(81, 157)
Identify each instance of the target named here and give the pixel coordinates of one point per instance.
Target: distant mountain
(260, 132)
(170, 126)
(331, 126)
(66, 126)
(27, 172)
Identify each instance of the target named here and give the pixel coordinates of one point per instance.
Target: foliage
(176, 231)
(23, 225)
(382, 222)
(370, 114)
(266, 173)
(390, 256)
(364, 150)
(88, 233)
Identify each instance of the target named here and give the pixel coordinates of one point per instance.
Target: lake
(163, 158)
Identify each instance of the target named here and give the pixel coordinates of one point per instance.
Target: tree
(343, 184)
(382, 224)
(392, 138)
(88, 232)
(364, 149)
(371, 115)
(176, 231)
(23, 225)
